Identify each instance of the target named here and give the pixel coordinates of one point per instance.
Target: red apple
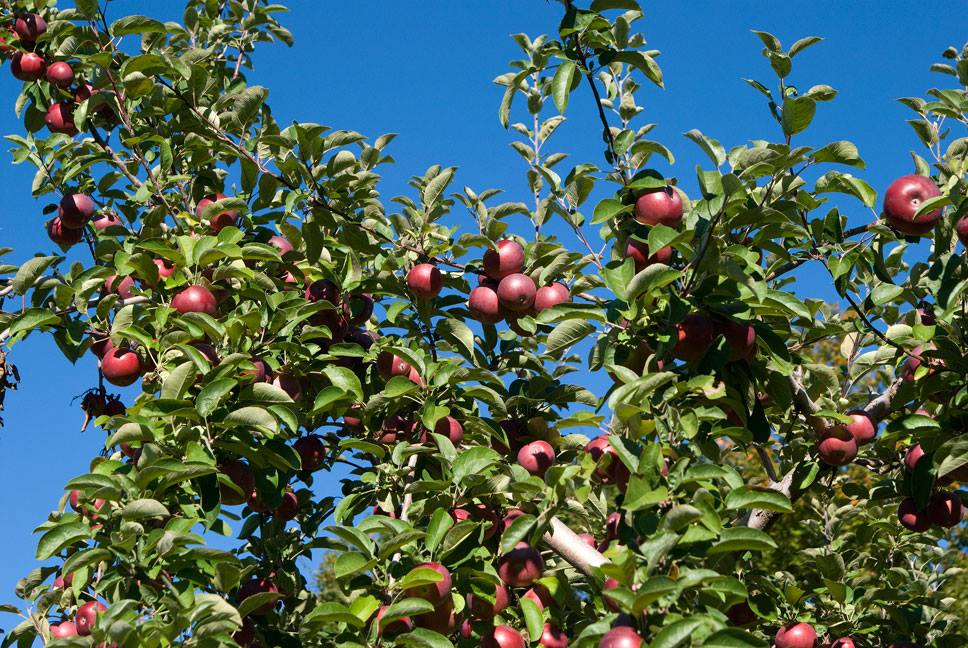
(435, 593)
(288, 509)
(861, 427)
(911, 518)
(121, 367)
(837, 446)
(903, 198)
(389, 365)
(425, 281)
(61, 74)
(913, 456)
(361, 308)
(540, 596)
(506, 260)
(552, 637)
(104, 221)
(258, 586)
(393, 628)
(482, 608)
(442, 620)
(638, 251)
(27, 66)
(312, 452)
(620, 637)
(945, 509)
(552, 295)
(484, 305)
(503, 636)
(843, 642)
(63, 629)
(695, 335)
(740, 338)
(120, 286)
(240, 474)
(289, 384)
(659, 206)
(62, 581)
(105, 110)
(165, 268)
(611, 470)
(612, 525)
(86, 616)
(961, 229)
(521, 566)
(282, 244)
(218, 221)
(29, 27)
(61, 235)
(588, 539)
(60, 118)
(741, 614)
(516, 292)
(323, 290)
(536, 457)
(450, 428)
(479, 513)
(195, 299)
(795, 635)
(75, 210)
(510, 516)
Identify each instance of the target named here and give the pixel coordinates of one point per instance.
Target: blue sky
(424, 70)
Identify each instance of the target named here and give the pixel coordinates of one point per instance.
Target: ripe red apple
(442, 620)
(612, 524)
(620, 637)
(289, 384)
(195, 299)
(312, 452)
(901, 202)
(106, 220)
(588, 539)
(218, 221)
(638, 251)
(393, 628)
(536, 457)
(362, 337)
(945, 509)
(282, 244)
(121, 367)
(63, 236)
(961, 229)
(741, 614)
(837, 446)
(62, 581)
(506, 260)
(240, 474)
(482, 608)
(435, 593)
(361, 308)
(503, 636)
(484, 280)
(105, 111)
(912, 457)
(517, 292)
(611, 470)
(27, 66)
(510, 516)
(389, 365)
(861, 426)
(323, 290)
(911, 518)
(659, 206)
(63, 629)
(61, 74)
(29, 27)
(258, 586)
(540, 596)
(843, 642)
(484, 305)
(450, 428)
(60, 118)
(75, 210)
(740, 338)
(695, 335)
(521, 566)
(425, 281)
(86, 616)
(552, 637)
(165, 268)
(120, 286)
(795, 635)
(288, 509)
(551, 295)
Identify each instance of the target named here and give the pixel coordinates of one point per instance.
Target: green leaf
(420, 576)
(678, 633)
(178, 381)
(349, 563)
(803, 44)
(710, 146)
(432, 191)
(61, 537)
(885, 293)
(457, 333)
(212, 394)
(733, 638)
(144, 508)
(136, 25)
(566, 335)
(834, 181)
(33, 318)
(346, 380)
(639, 60)
(772, 42)
(252, 417)
(440, 524)
(473, 461)
(533, 618)
(742, 539)
(562, 84)
(842, 152)
(256, 601)
(797, 114)
(30, 272)
(517, 531)
(423, 638)
(748, 497)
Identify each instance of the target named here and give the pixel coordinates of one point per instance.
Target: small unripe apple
(240, 474)
(425, 281)
(503, 636)
(912, 457)
(911, 518)
(903, 198)
(548, 296)
(75, 210)
(63, 629)
(120, 286)
(506, 260)
(258, 586)
(521, 566)
(837, 446)
(552, 637)
(482, 608)
(621, 637)
(60, 118)
(312, 452)
(195, 299)
(740, 338)
(517, 292)
(104, 221)
(435, 593)
(27, 66)
(61, 235)
(861, 426)
(536, 457)
(945, 509)
(660, 206)
(638, 251)
(86, 616)
(288, 509)
(121, 367)
(389, 365)
(484, 305)
(795, 635)
(393, 628)
(29, 27)
(695, 335)
(218, 221)
(61, 74)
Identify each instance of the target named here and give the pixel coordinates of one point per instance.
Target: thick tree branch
(566, 543)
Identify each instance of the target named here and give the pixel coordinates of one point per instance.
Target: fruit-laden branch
(566, 543)
(140, 299)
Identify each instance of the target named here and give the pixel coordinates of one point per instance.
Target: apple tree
(280, 321)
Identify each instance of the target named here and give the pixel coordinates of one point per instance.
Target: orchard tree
(280, 319)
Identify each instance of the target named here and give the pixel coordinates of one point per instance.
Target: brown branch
(566, 543)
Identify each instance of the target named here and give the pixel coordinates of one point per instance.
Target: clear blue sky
(424, 70)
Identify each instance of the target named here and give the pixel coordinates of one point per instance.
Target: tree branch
(566, 543)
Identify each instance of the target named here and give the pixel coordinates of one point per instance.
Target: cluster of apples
(944, 509)
(504, 292)
(803, 635)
